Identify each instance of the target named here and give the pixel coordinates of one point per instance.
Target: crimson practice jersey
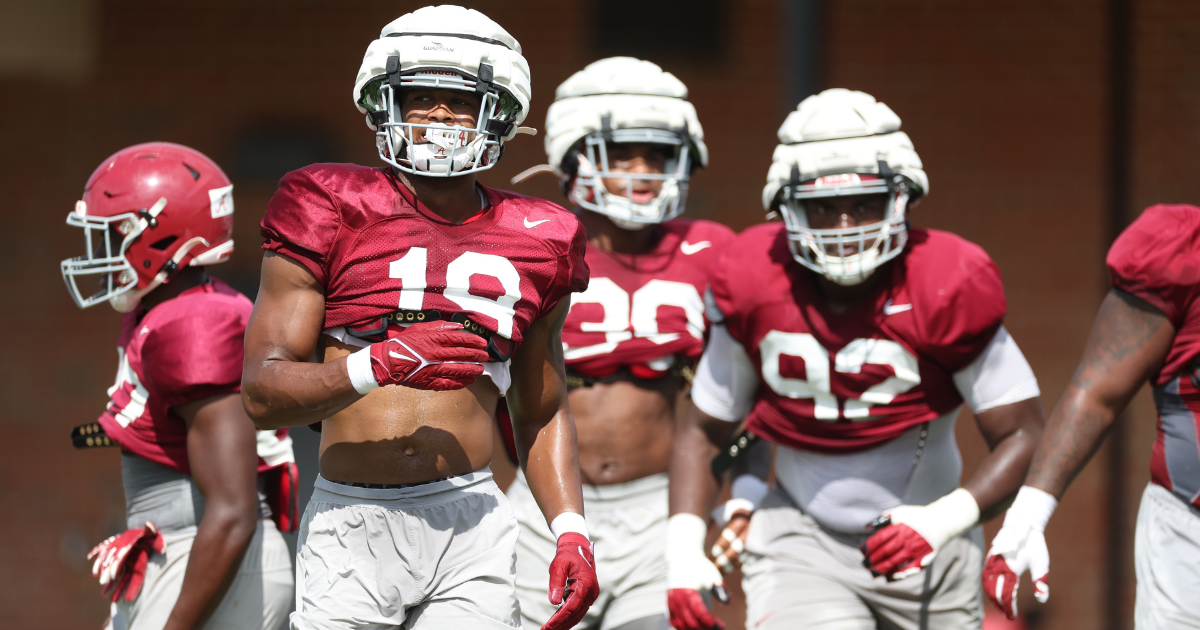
(841, 382)
(1157, 259)
(376, 249)
(641, 309)
(185, 349)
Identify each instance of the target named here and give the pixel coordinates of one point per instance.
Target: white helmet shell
(444, 47)
(837, 143)
(622, 99)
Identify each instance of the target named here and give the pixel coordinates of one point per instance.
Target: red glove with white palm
(907, 537)
(438, 356)
(1020, 546)
(121, 560)
(573, 581)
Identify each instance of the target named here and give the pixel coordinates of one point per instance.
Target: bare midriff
(625, 429)
(397, 434)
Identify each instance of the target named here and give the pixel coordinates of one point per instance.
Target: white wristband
(1032, 506)
(686, 532)
(358, 366)
(568, 522)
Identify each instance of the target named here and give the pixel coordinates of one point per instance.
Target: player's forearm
(551, 465)
(283, 393)
(1075, 431)
(221, 541)
(1002, 472)
(693, 487)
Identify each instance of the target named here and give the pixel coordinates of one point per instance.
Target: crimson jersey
(841, 382)
(641, 308)
(1157, 259)
(187, 348)
(376, 249)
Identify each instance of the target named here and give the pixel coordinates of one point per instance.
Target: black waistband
(386, 486)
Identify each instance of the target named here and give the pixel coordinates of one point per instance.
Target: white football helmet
(840, 143)
(443, 47)
(623, 100)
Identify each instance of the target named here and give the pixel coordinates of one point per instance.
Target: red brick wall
(1005, 101)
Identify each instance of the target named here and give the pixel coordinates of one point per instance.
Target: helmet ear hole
(163, 243)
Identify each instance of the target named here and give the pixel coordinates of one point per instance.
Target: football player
(1148, 329)
(850, 340)
(624, 141)
(387, 293)
(201, 486)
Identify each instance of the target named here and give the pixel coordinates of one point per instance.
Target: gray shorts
(1167, 561)
(798, 575)
(435, 556)
(628, 524)
(261, 593)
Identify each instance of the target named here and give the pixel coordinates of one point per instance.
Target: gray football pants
(798, 575)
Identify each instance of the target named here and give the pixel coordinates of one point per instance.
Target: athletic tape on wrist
(568, 522)
(686, 531)
(1033, 506)
(358, 367)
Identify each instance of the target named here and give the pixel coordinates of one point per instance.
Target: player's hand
(907, 537)
(1020, 546)
(121, 560)
(573, 581)
(431, 355)
(731, 543)
(689, 572)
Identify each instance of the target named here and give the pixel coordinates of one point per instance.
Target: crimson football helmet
(149, 210)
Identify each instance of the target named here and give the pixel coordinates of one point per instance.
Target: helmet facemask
(588, 189)
(846, 256)
(107, 239)
(444, 150)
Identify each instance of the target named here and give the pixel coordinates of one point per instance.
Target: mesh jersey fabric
(643, 307)
(187, 348)
(375, 248)
(841, 382)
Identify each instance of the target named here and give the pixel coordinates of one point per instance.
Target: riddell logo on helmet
(835, 181)
(438, 73)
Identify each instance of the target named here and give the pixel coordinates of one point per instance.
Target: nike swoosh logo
(585, 560)
(534, 224)
(890, 309)
(689, 249)
(397, 355)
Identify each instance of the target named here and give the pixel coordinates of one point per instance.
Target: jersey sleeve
(1150, 259)
(964, 310)
(999, 376)
(726, 383)
(573, 273)
(301, 222)
(195, 355)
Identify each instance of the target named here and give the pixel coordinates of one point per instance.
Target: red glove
(896, 552)
(689, 612)
(431, 355)
(907, 537)
(121, 561)
(573, 581)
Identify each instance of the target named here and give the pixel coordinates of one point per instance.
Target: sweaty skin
(396, 434)
(625, 428)
(1127, 346)
(1012, 431)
